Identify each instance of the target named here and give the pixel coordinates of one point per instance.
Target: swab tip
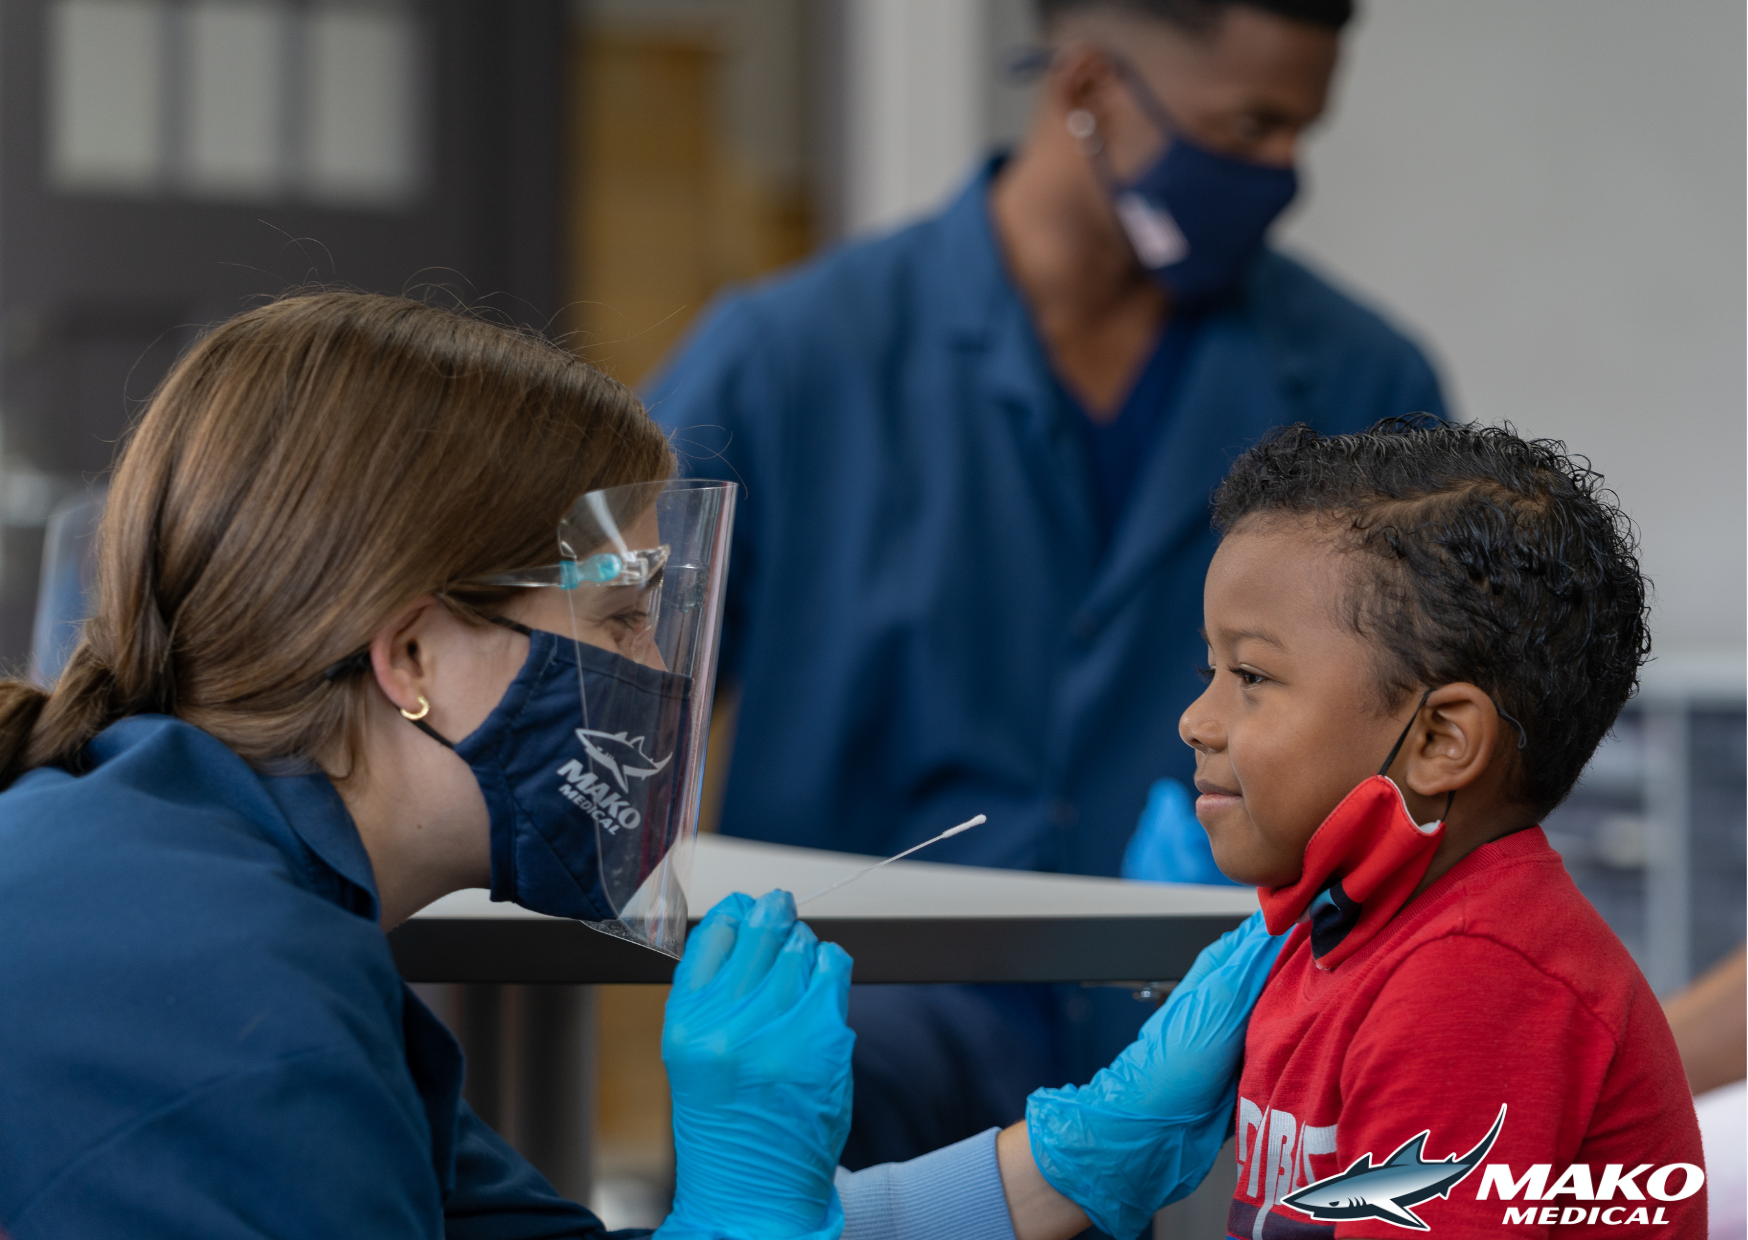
(950, 831)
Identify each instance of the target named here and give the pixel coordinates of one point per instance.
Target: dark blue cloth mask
(585, 794)
(1195, 217)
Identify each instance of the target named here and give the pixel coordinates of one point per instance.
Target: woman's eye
(1248, 678)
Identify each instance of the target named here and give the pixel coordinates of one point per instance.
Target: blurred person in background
(1710, 1023)
(978, 454)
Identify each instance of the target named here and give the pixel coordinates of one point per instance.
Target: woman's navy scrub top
(202, 1033)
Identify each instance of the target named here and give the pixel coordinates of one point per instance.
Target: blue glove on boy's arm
(758, 1059)
(1147, 1129)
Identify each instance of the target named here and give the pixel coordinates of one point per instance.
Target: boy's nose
(1198, 729)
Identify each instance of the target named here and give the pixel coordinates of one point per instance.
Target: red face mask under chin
(1361, 866)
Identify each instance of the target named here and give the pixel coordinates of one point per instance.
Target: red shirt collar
(1361, 866)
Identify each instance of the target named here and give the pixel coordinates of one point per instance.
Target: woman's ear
(396, 658)
(1454, 740)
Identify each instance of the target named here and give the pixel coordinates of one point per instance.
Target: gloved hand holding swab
(949, 832)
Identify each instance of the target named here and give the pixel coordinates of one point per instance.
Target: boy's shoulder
(1511, 908)
(1499, 1019)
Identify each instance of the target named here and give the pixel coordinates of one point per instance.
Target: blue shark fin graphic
(1412, 1153)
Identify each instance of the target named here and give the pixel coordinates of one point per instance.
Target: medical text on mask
(595, 797)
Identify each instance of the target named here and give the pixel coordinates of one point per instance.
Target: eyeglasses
(637, 569)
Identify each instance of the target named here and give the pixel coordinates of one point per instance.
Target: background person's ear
(1081, 80)
(1452, 741)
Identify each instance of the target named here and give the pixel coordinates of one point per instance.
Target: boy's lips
(1214, 798)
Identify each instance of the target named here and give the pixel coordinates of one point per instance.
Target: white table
(913, 921)
(530, 1048)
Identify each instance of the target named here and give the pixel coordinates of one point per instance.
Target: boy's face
(1290, 722)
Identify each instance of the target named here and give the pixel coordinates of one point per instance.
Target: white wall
(1550, 194)
(927, 92)
(914, 86)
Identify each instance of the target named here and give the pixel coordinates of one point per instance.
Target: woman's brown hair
(306, 471)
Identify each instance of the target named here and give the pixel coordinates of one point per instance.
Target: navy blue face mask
(581, 816)
(1195, 217)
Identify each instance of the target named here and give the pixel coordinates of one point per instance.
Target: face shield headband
(592, 763)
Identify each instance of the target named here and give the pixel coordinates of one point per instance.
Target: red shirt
(1498, 987)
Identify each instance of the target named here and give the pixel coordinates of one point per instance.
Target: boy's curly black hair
(1495, 560)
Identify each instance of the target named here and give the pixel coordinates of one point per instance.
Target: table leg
(531, 1073)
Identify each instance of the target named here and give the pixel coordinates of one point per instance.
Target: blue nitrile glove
(1169, 844)
(758, 1059)
(1147, 1129)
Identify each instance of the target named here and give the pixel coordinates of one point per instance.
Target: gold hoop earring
(424, 709)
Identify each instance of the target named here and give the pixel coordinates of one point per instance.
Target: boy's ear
(1454, 739)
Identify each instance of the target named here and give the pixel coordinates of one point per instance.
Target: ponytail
(53, 728)
(82, 703)
(21, 705)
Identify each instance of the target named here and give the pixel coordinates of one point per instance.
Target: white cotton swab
(948, 833)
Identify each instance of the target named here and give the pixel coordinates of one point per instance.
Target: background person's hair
(1199, 16)
(306, 471)
(1485, 558)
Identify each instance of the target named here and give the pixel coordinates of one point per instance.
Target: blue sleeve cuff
(954, 1193)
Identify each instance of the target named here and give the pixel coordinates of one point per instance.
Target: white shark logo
(1385, 1192)
(621, 755)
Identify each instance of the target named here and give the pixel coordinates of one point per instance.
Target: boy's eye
(1246, 677)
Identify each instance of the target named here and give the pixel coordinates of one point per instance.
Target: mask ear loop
(1143, 95)
(1406, 729)
(1395, 749)
(1451, 796)
(417, 719)
(1084, 128)
(1522, 736)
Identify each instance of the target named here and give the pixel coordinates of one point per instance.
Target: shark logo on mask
(1388, 1190)
(620, 755)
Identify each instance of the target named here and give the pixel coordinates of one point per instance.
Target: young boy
(1452, 1040)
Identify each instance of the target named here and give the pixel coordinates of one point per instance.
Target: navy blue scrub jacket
(202, 1033)
(921, 619)
(926, 619)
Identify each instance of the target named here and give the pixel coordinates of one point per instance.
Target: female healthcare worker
(339, 665)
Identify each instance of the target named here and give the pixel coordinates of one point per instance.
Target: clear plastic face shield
(623, 646)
